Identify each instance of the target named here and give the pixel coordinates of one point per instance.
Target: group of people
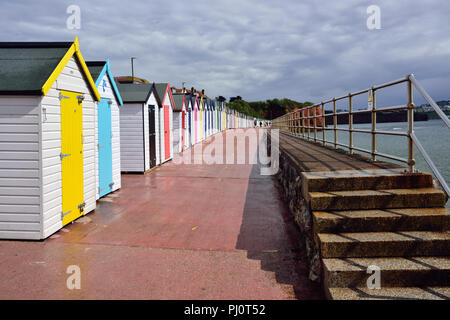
(261, 123)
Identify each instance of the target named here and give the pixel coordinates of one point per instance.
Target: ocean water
(433, 135)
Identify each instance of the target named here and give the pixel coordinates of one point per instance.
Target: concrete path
(179, 232)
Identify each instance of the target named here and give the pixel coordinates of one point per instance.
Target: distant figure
(255, 123)
(260, 123)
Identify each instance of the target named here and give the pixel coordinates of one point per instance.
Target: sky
(302, 50)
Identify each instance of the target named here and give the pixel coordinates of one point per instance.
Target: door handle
(63, 155)
(63, 214)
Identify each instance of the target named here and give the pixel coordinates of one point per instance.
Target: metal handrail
(303, 124)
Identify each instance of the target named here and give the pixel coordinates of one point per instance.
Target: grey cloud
(303, 50)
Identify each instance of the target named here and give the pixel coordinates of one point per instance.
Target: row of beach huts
(69, 128)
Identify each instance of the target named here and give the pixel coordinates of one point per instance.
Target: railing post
(335, 123)
(315, 124)
(350, 123)
(411, 160)
(307, 120)
(302, 121)
(374, 126)
(324, 137)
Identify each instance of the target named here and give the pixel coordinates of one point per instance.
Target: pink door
(166, 132)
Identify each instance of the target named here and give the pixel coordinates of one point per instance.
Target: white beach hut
(47, 138)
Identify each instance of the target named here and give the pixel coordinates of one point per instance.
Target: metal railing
(304, 123)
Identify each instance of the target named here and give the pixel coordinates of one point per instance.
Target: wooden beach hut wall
(213, 113)
(211, 117)
(107, 128)
(201, 107)
(224, 117)
(47, 138)
(207, 112)
(188, 117)
(139, 127)
(179, 124)
(195, 120)
(214, 116)
(208, 117)
(166, 105)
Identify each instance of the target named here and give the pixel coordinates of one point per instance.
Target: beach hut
(107, 128)
(166, 105)
(47, 138)
(207, 117)
(194, 119)
(179, 123)
(224, 118)
(201, 125)
(139, 127)
(187, 125)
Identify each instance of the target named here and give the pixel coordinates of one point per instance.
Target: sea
(433, 135)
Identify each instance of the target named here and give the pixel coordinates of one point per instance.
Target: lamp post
(132, 69)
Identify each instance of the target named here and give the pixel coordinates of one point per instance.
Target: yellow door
(71, 156)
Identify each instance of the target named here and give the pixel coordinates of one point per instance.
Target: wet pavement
(182, 231)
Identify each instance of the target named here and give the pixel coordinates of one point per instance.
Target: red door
(166, 132)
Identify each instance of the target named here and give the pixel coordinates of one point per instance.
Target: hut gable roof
(31, 68)
(98, 69)
(179, 100)
(161, 90)
(135, 93)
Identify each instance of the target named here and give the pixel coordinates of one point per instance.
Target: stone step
(394, 272)
(377, 199)
(384, 244)
(368, 179)
(395, 293)
(382, 220)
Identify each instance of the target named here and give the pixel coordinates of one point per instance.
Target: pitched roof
(161, 90)
(178, 99)
(32, 67)
(98, 69)
(132, 92)
(95, 68)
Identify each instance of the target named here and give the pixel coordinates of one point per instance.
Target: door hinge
(80, 98)
(62, 155)
(81, 206)
(109, 102)
(100, 189)
(99, 146)
(61, 96)
(63, 214)
(111, 185)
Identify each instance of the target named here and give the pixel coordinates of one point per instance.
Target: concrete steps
(384, 218)
(396, 293)
(384, 244)
(369, 179)
(395, 272)
(377, 199)
(379, 220)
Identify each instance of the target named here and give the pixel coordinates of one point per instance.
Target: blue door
(104, 148)
(189, 125)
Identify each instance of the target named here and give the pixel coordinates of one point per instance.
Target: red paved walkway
(179, 232)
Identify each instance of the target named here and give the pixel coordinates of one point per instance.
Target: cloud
(255, 49)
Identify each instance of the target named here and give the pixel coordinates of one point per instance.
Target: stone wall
(289, 177)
